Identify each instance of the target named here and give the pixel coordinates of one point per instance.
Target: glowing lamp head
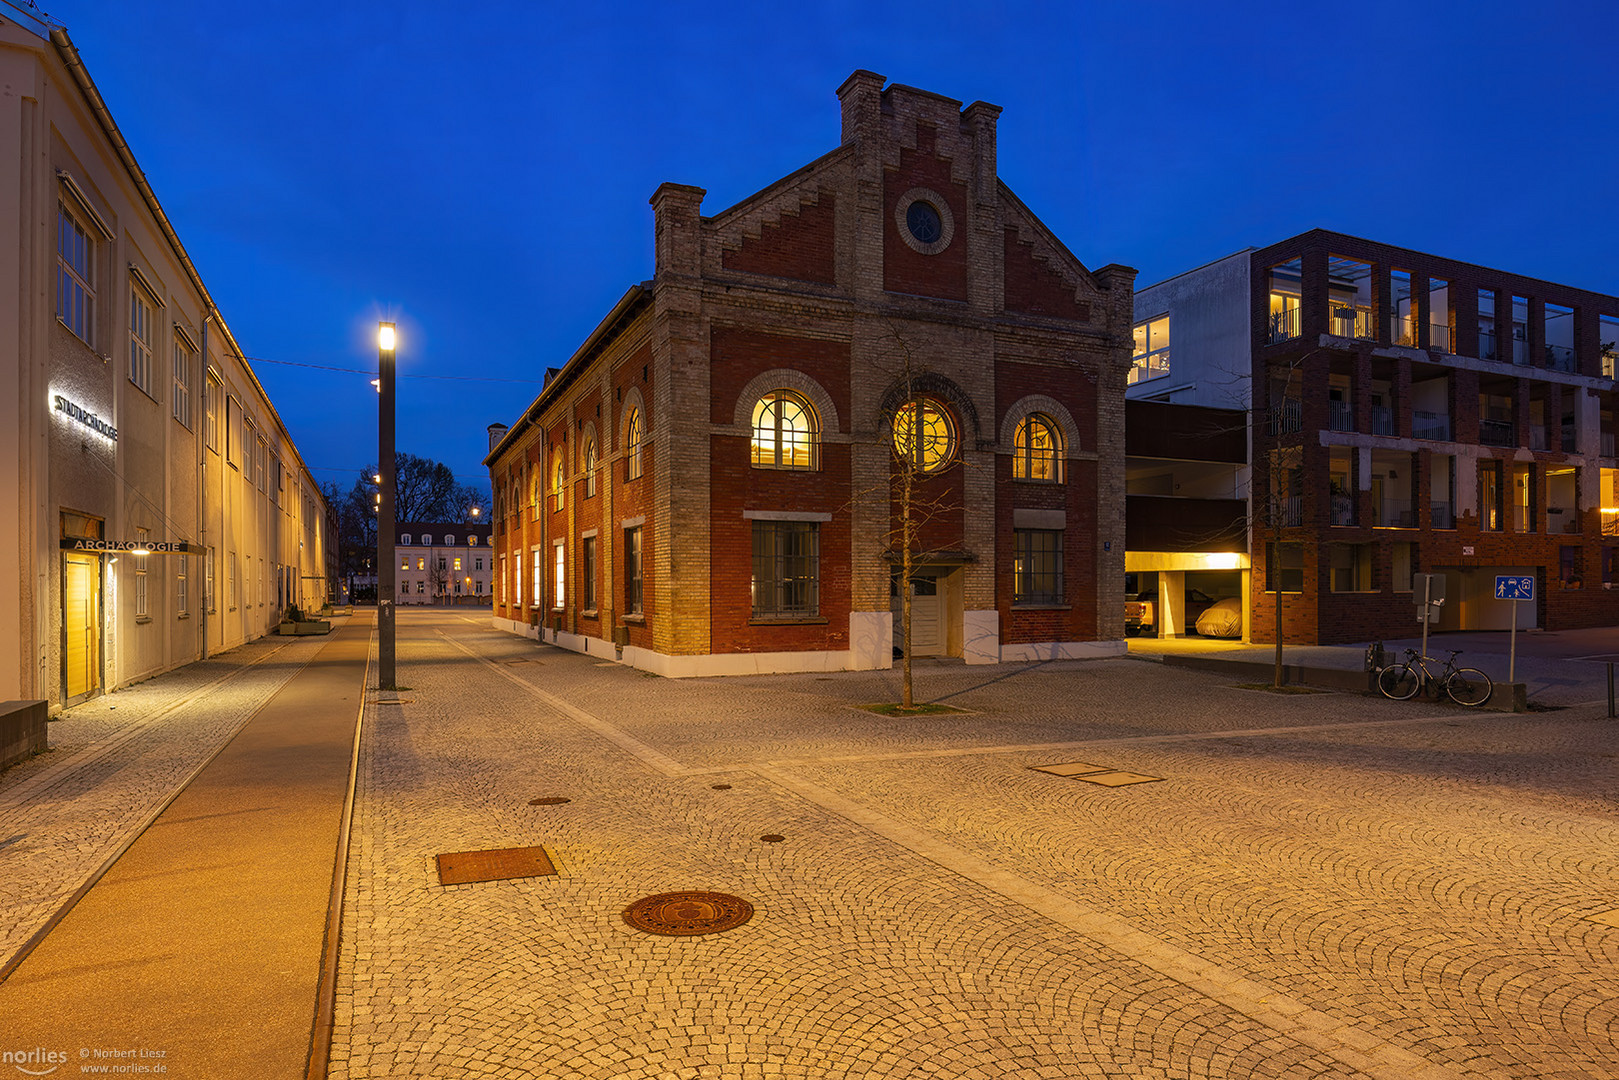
(385, 336)
(474, 511)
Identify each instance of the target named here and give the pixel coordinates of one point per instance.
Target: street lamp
(385, 525)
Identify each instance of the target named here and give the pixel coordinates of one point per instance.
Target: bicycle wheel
(1399, 682)
(1469, 686)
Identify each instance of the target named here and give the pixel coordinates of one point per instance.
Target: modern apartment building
(716, 480)
(1408, 413)
(155, 507)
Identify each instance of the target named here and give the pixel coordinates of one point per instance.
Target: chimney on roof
(497, 432)
(862, 97)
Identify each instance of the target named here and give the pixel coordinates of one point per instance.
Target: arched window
(1037, 450)
(534, 482)
(786, 432)
(924, 436)
(588, 461)
(632, 445)
(559, 478)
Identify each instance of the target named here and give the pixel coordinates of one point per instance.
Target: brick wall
(800, 245)
(906, 271)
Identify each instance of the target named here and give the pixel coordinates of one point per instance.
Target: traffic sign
(1515, 587)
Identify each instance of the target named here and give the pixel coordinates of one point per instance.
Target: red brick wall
(800, 246)
(905, 271)
(634, 498)
(1034, 287)
(737, 355)
(1076, 497)
(587, 512)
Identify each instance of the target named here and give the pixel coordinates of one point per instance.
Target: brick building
(1409, 414)
(710, 484)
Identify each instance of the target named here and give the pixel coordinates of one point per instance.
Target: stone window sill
(1016, 606)
(789, 620)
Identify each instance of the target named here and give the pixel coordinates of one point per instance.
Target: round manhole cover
(687, 913)
(720, 787)
(772, 838)
(549, 800)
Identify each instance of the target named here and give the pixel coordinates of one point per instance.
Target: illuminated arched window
(534, 482)
(1037, 450)
(924, 437)
(588, 460)
(632, 445)
(559, 478)
(786, 432)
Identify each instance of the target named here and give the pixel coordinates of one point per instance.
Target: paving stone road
(1319, 885)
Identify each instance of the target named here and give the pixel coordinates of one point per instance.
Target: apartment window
(1286, 508)
(182, 588)
(924, 437)
(1284, 568)
(1571, 567)
(441, 565)
(1559, 337)
(1491, 507)
(183, 358)
(405, 539)
(1439, 314)
(1402, 309)
(427, 540)
(1520, 330)
(590, 466)
(1442, 491)
(1610, 566)
(559, 479)
(477, 588)
(537, 569)
(140, 337)
(632, 571)
(1405, 563)
(208, 581)
(587, 571)
(1349, 296)
(1351, 567)
(233, 431)
(559, 575)
(404, 563)
(1487, 349)
(210, 392)
(1150, 359)
(421, 562)
(1342, 487)
(1037, 566)
(472, 541)
(260, 461)
(421, 588)
(75, 282)
(632, 445)
(456, 565)
(1286, 296)
(505, 594)
(786, 569)
(786, 433)
(142, 537)
(517, 578)
(1608, 335)
(449, 540)
(477, 563)
(1524, 501)
(1037, 450)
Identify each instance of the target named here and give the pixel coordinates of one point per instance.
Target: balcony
(1428, 425)
(1442, 514)
(1284, 325)
(1382, 420)
(1396, 514)
(1343, 510)
(1353, 323)
(1561, 358)
(1289, 511)
(1486, 345)
(1341, 416)
(1439, 336)
(1403, 330)
(1287, 417)
(1497, 433)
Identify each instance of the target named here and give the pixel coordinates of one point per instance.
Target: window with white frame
(1151, 357)
(208, 581)
(142, 537)
(75, 280)
(632, 445)
(211, 405)
(141, 306)
(537, 569)
(589, 463)
(183, 360)
(182, 597)
(559, 576)
(559, 479)
(505, 595)
(786, 432)
(1037, 450)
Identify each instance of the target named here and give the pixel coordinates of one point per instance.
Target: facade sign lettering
(88, 419)
(156, 547)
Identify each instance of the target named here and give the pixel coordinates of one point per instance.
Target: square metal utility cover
(1072, 768)
(1607, 918)
(1095, 774)
(465, 867)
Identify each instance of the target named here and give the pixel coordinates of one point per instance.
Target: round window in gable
(924, 221)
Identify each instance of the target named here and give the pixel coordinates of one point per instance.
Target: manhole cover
(550, 800)
(772, 838)
(720, 787)
(684, 914)
(465, 867)
(1096, 774)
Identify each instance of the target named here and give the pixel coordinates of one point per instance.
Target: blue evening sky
(480, 172)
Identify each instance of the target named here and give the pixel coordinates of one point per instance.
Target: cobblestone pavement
(1319, 886)
(115, 762)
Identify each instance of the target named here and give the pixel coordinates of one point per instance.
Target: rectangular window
(1037, 566)
(1610, 566)
(1351, 567)
(1151, 358)
(259, 456)
(1491, 508)
(404, 564)
(421, 562)
(1520, 330)
(421, 587)
(140, 338)
(505, 594)
(587, 570)
(559, 577)
(1284, 568)
(1349, 294)
(1559, 337)
(75, 281)
(211, 404)
(1286, 296)
(230, 581)
(1487, 349)
(1608, 342)
(233, 431)
(456, 563)
(1406, 561)
(1402, 309)
(1571, 567)
(182, 597)
(632, 571)
(1439, 314)
(208, 582)
(477, 564)
(786, 569)
(182, 381)
(537, 570)
(1524, 501)
(141, 538)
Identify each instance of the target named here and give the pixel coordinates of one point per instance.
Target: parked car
(1140, 614)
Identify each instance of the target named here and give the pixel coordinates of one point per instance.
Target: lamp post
(385, 512)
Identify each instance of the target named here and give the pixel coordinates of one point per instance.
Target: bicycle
(1465, 686)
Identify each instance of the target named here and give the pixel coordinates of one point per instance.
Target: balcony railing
(1428, 425)
(1341, 415)
(1442, 514)
(1497, 433)
(1343, 510)
(1523, 518)
(1561, 358)
(1610, 521)
(1289, 510)
(1353, 322)
(1284, 325)
(1396, 514)
(1562, 519)
(1382, 420)
(1287, 417)
(1486, 344)
(1403, 330)
(1439, 336)
(1520, 351)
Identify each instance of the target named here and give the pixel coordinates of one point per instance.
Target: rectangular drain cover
(465, 867)
(1096, 774)
(1607, 918)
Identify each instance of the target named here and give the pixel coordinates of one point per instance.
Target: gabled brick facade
(834, 286)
